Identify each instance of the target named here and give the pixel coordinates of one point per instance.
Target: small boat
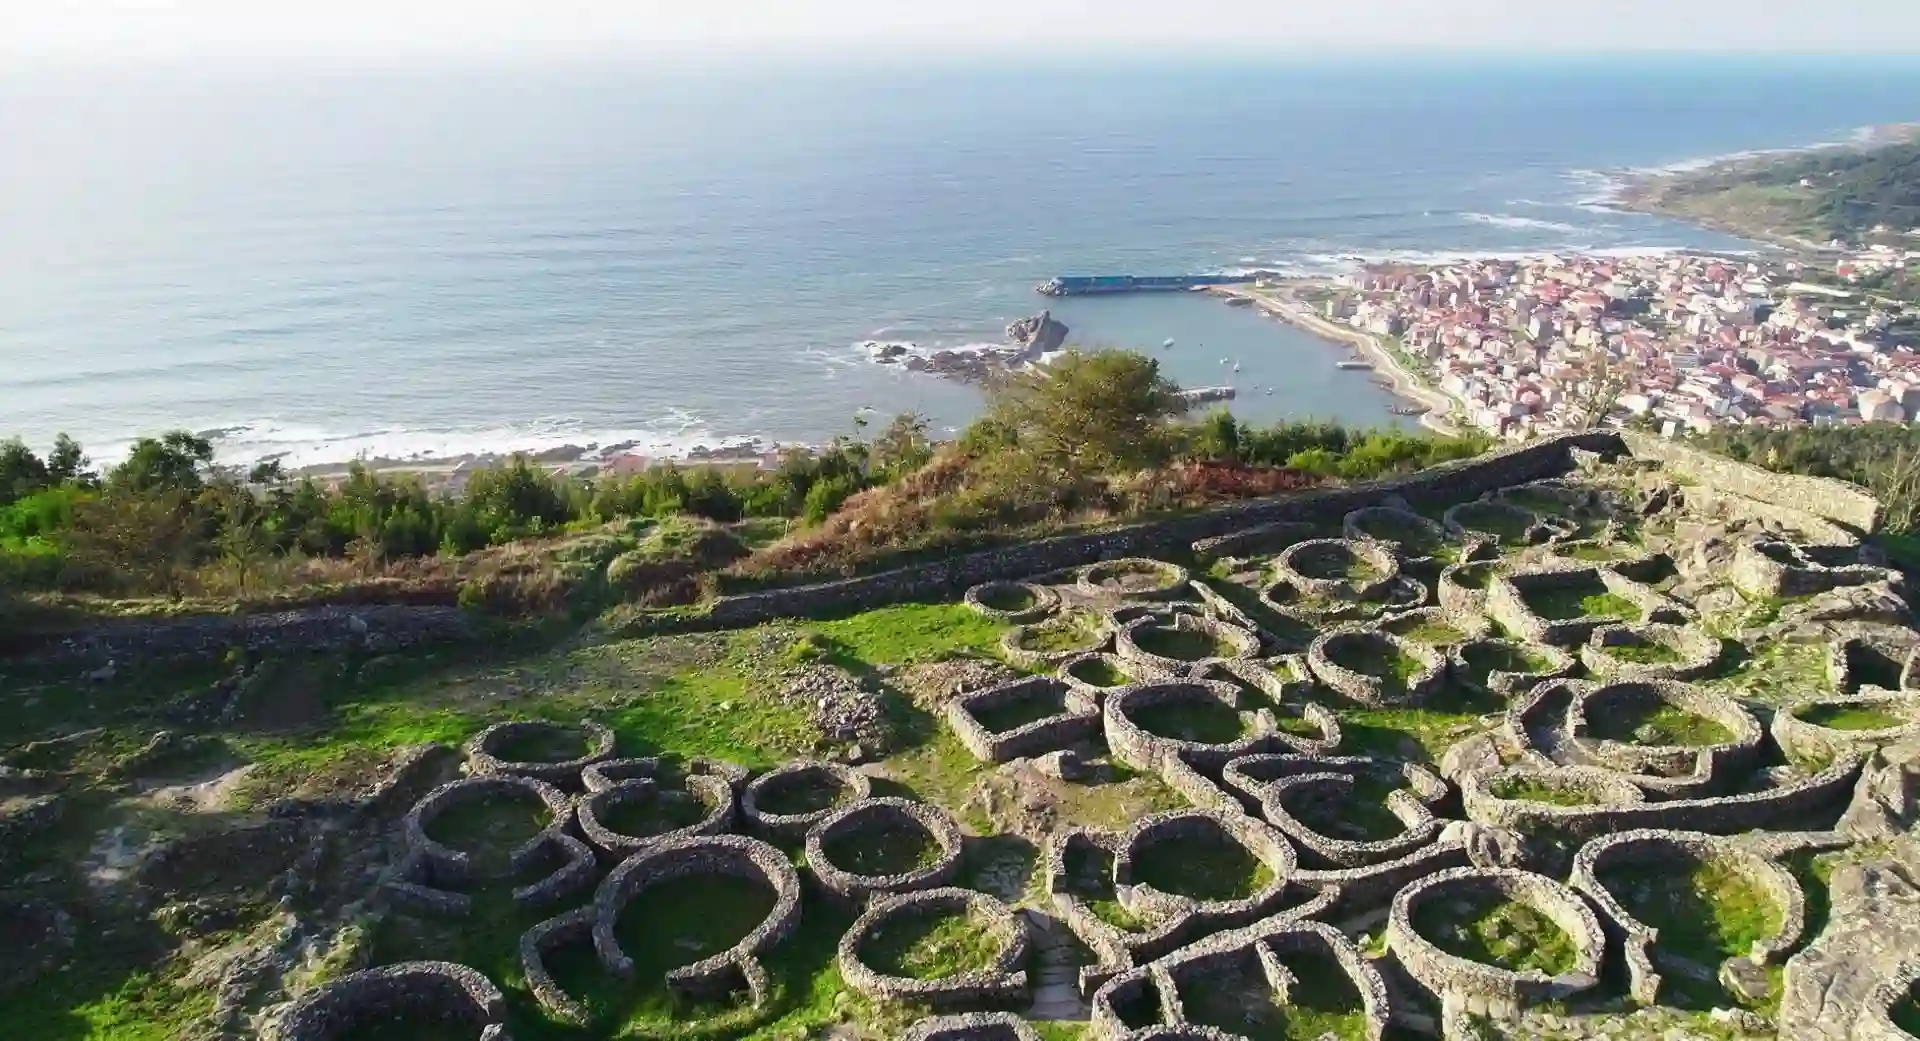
(1167, 344)
(1223, 361)
(1353, 363)
(1236, 366)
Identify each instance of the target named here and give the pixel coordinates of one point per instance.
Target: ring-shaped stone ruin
(1136, 578)
(1260, 842)
(874, 818)
(1405, 531)
(1824, 726)
(491, 750)
(735, 855)
(435, 872)
(440, 992)
(1096, 673)
(1650, 652)
(1022, 718)
(993, 599)
(1209, 702)
(1003, 981)
(1479, 988)
(1175, 644)
(1342, 569)
(1375, 668)
(764, 801)
(1278, 782)
(712, 794)
(1508, 667)
(1673, 743)
(972, 1026)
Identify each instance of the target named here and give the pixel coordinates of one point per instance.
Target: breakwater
(1094, 285)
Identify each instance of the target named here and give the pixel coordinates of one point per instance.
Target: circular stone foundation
(1650, 652)
(1377, 668)
(1347, 569)
(1175, 644)
(1409, 533)
(940, 947)
(1015, 603)
(1662, 728)
(883, 847)
(1135, 578)
(1508, 666)
(786, 801)
(1552, 935)
(426, 992)
(1501, 522)
(550, 752)
(630, 816)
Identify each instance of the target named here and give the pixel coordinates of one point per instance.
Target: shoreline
(1281, 303)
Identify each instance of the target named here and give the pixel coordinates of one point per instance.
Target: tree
(267, 471)
(1090, 413)
(172, 461)
(242, 542)
(67, 462)
(903, 446)
(141, 539)
(21, 472)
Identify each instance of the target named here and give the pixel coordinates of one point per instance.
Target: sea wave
(674, 435)
(1508, 220)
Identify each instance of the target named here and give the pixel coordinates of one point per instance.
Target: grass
(1324, 1002)
(1358, 814)
(1100, 672)
(1216, 868)
(1073, 632)
(1495, 931)
(663, 811)
(1643, 652)
(890, 850)
(1649, 721)
(1008, 598)
(545, 745)
(1585, 600)
(1379, 659)
(1111, 912)
(1593, 552)
(1433, 634)
(1529, 789)
(1014, 714)
(1195, 719)
(1417, 541)
(1180, 644)
(1486, 658)
(1419, 735)
(932, 946)
(906, 634)
(1706, 912)
(492, 829)
(1504, 524)
(1850, 717)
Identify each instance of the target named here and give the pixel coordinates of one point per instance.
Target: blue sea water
(330, 263)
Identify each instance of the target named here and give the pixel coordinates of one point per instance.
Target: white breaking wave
(674, 435)
(1508, 220)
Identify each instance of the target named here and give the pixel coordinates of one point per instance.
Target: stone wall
(374, 628)
(1002, 981)
(432, 991)
(949, 579)
(1823, 497)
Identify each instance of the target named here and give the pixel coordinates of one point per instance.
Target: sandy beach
(1281, 303)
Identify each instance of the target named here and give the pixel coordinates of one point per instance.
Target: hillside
(1851, 194)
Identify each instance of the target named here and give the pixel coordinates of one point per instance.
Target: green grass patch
(1179, 644)
(1906, 1014)
(1100, 673)
(1533, 789)
(663, 811)
(1850, 717)
(891, 850)
(1643, 652)
(1357, 814)
(1706, 912)
(1324, 1002)
(1215, 868)
(1650, 721)
(1071, 632)
(545, 745)
(1008, 598)
(1594, 552)
(1111, 912)
(932, 946)
(1582, 600)
(1484, 659)
(1495, 931)
(1192, 719)
(1505, 524)
(906, 634)
(1473, 576)
(1431, 633)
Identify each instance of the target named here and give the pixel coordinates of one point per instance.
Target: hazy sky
(1044, 28)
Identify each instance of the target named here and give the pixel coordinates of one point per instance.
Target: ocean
(319, 264)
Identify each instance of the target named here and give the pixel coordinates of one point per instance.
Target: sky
(107, 29)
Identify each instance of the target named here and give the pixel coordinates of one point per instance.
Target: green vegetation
(1014, 714)
(891, 850)
(1488, 657)
(1906, 1014)
(1533, 789)
(1850, 717)
(1324, 1003)
(1100, 672)
(662, 811)
(1008, 598)
(1070, 632)
(1432, 633)
(1358, 814)
(1589, 599)
(1649, 721)
(1844, 193)
(1706, 911)
(1496, 931)
(1215, 868)
(1180, 644)
(1509, 525)
(1197, 719)
(932, 946)
(1643, 652)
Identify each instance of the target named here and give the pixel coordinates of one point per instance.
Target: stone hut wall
(439, 991)
(948, 579)
(1823, 497)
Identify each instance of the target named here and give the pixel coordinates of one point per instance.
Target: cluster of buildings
(1672, 341)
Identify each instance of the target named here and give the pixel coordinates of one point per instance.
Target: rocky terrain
(1625, 753)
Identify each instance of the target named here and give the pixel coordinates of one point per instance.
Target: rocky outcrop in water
(1039, 334)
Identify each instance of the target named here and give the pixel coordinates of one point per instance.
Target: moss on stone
(1493, 930)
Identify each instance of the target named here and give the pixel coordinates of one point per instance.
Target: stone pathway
(1056, 972)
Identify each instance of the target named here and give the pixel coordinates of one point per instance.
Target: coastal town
(1674, 342)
